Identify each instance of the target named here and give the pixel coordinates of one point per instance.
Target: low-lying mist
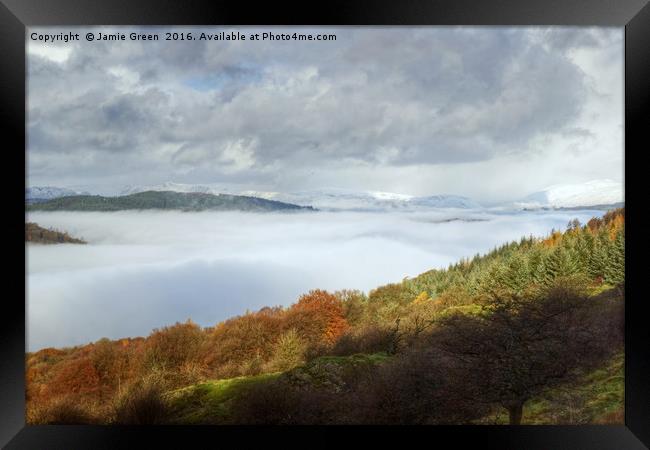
(142, 270)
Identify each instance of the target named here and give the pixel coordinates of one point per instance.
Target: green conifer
(614, 270)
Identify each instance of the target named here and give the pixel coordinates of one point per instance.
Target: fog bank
(142, 270)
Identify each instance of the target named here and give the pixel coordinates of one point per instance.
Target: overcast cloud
(491, 113)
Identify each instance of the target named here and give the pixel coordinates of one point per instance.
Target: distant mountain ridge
(332, 199)
(600, 194)
(173, 187)
(604, 207)
(595, 194)
(165, 200)
(43, 193)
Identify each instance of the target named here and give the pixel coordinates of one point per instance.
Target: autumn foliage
(318, 316)
(184, 353)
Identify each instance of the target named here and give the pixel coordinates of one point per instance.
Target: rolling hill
(165, 200)
(328, 199)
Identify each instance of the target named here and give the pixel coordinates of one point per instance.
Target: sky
(485, 112)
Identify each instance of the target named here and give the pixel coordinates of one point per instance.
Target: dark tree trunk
(515, 411)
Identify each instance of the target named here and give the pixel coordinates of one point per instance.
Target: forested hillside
(37, 234)
(165, 200)
(531, 332)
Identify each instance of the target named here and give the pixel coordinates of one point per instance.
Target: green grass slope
(598, 398)
(210, 402)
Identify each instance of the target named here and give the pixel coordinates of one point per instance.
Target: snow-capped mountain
(373, 200)
(445, 201)
(332, 199)
(591, 193)
(42, 193)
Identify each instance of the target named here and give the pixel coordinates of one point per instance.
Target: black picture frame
(16, 15)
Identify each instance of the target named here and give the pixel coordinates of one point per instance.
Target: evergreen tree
(598, 258)
(584, 249)
(615, 268)
(492, 278)
(515, 278)
(537, 265)
(561, 263)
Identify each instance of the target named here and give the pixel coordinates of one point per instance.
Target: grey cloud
(563, 38)
(388, 96)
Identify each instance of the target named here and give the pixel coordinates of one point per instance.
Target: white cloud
(52, 52)
(239, 154)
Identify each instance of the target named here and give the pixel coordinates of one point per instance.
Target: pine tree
(561, 263)
(585, 248)
(537, 265)
(492, 278)
(515, 277)
(598, 259)
(614, 271)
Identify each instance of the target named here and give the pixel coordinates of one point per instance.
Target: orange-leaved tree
(318, 317)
